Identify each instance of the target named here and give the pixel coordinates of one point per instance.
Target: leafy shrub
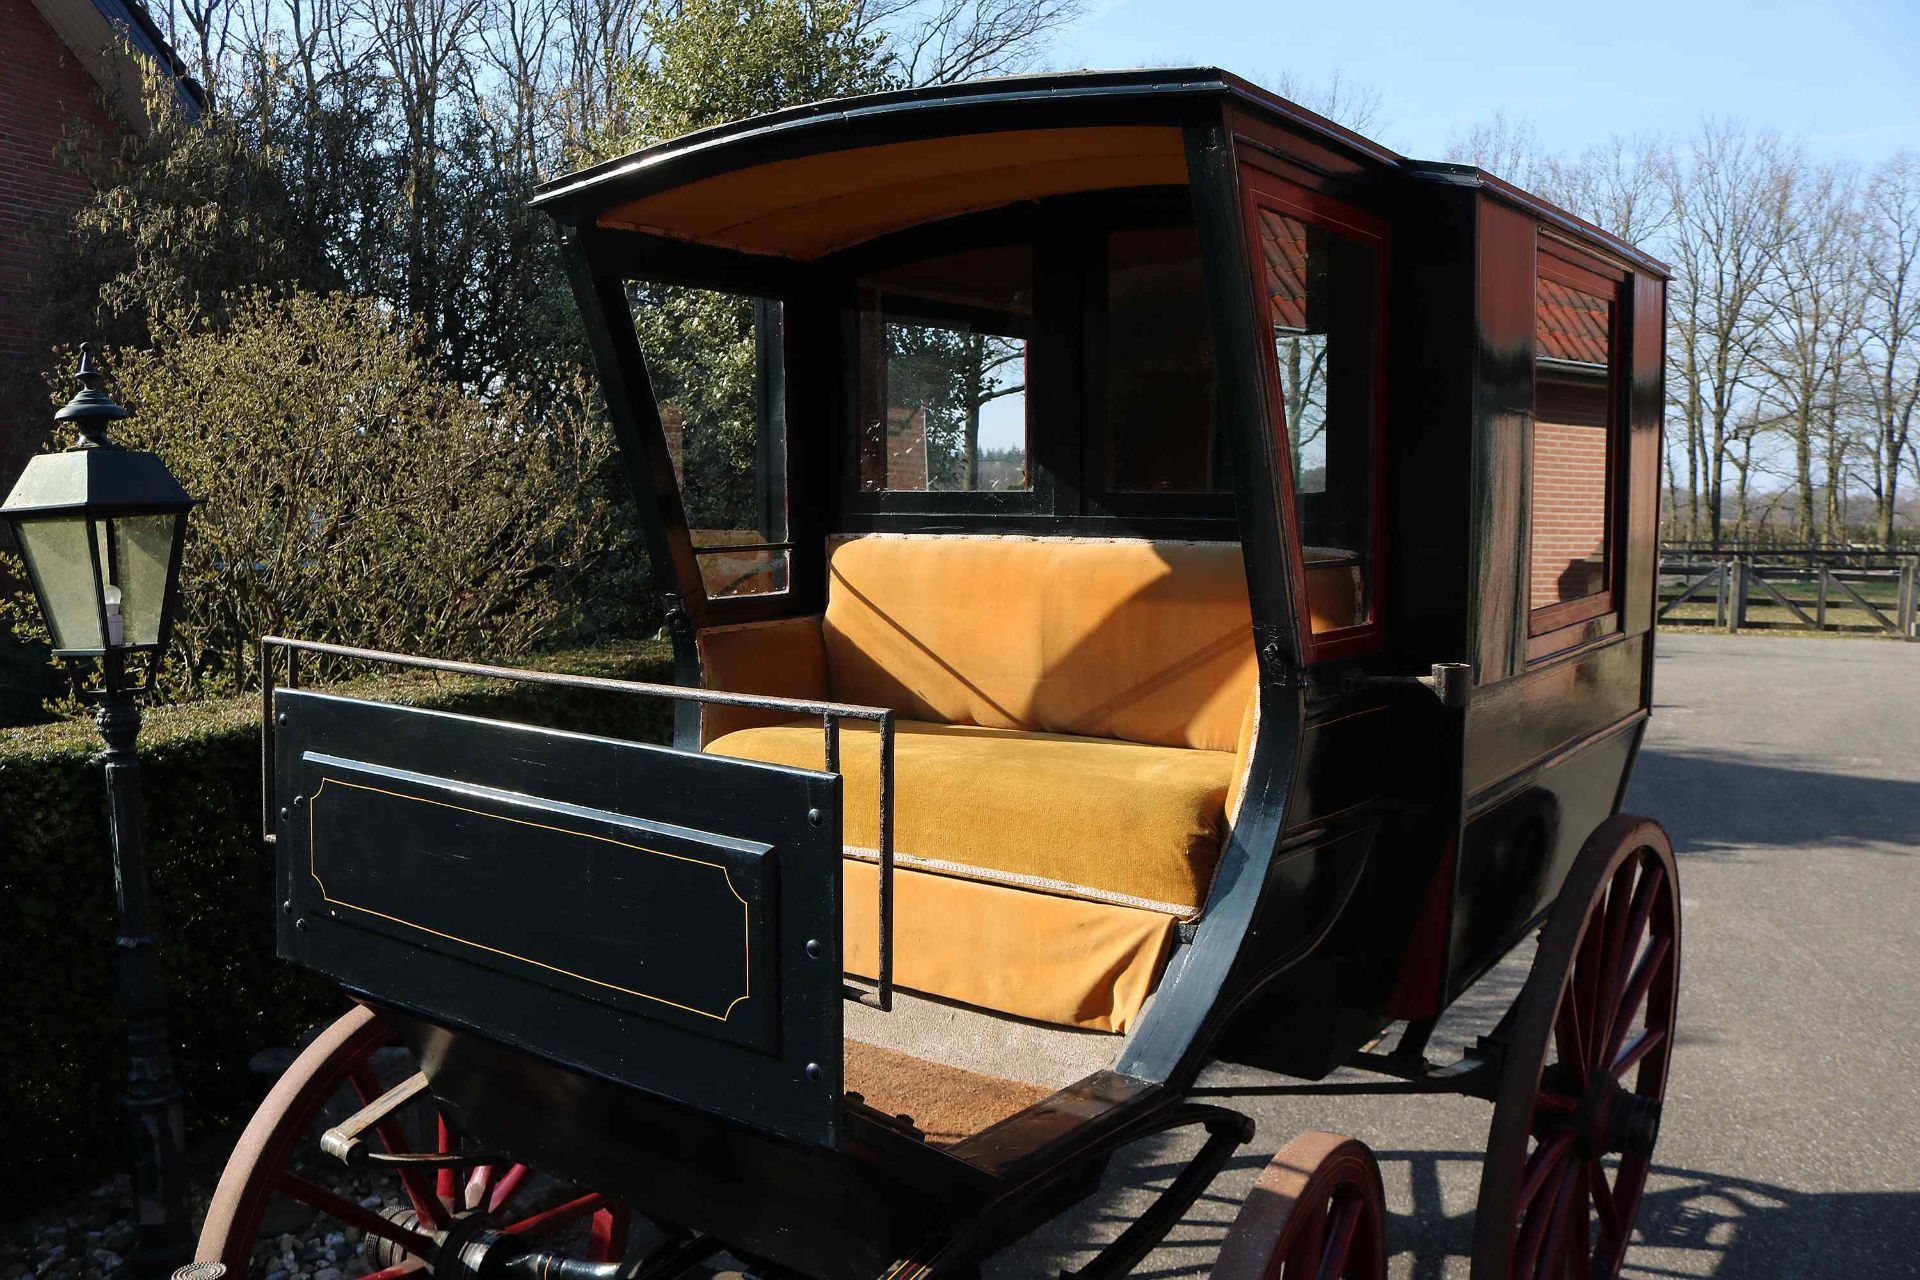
(65, 1057)
(353, 495)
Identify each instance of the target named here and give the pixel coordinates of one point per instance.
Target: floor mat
(946, 1103)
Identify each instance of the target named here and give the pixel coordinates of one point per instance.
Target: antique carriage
(1154, 577)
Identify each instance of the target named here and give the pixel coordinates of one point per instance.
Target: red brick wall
(1569, 510)
(44, 91)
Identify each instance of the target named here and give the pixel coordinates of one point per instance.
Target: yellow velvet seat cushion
(1148, 642)
(1117, 822)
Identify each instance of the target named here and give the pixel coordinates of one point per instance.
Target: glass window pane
(715, 360)
(142, 546)
(1321, 290)
(57, 556)
(943, 373)
(1572, 395)
(1162, 428)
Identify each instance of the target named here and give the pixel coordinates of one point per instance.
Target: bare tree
(947, 41)
(1623, 185)
(1815, 301)
(1731, 195)
(1889, 348)
(1506, 146)
(1343, 101)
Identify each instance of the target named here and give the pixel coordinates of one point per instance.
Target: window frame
(1554, 628)
(1263, 188)
(1065, 432)
(773, 442)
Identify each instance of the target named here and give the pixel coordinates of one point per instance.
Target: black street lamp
(101, 529)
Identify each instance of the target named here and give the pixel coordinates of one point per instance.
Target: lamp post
(101, 529)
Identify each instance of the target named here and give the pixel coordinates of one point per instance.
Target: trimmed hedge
(64, 1057)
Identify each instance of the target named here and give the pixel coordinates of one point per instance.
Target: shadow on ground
(1693, 1223)
(1717, 802)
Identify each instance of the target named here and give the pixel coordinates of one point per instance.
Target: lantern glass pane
(142, 547)
(56, 553)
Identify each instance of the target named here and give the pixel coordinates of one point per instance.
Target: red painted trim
(1263, 189)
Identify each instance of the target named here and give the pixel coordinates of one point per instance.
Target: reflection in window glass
(715, 363)
(943, 373)
(1162, 429)
(1321, 288)
(1572, 392)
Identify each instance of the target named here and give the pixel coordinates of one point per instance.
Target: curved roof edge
(600, 186)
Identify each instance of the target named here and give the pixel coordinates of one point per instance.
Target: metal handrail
(830, 713)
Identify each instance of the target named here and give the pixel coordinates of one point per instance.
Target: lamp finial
(91, 409)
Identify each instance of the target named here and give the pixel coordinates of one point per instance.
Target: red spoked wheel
(1317, 1213)
(270, 1160)
(1585, 1069)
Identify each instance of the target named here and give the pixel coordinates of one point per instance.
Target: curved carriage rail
(830, 713)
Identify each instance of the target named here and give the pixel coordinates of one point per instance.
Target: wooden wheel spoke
(1560, 1213)
(1533, 1227)
(1569, 1037)
(446, 1182)
(607, 1241)
(558, 1216)
(1340, 1234)
(1621, 900)
(412, 1266)
(1635, 995)
(479, 1187)
(1603, 1202)
(503, 1190)
(350, 1213)
(1584, 992)
(1643, 1044)
(1541, 1166)
(1645, 896)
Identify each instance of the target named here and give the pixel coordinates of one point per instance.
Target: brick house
(58, 60)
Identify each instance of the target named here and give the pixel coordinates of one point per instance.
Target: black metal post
(156, 1119)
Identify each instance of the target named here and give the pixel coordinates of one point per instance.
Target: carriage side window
(1161, 384)
(943, 373)
(715, 361)
(1322, 297)
(1569, 567)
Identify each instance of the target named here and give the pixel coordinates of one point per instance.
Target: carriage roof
(744, 185)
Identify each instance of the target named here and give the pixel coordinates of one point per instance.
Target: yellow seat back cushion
(1148, 642)
(1118, 822)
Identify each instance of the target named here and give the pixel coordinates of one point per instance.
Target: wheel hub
(1612, 1118)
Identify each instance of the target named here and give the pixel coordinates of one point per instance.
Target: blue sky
(1843, 76)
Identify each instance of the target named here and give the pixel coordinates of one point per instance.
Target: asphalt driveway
(1788, 771)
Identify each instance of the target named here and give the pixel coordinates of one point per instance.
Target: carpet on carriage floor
(946, 1103)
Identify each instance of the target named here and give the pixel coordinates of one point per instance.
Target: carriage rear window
(1571, 458)
(1322, 292)
(1162, 429)
(715, 361)
(943, 373)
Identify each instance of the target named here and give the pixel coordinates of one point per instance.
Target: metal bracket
(1451, 682)
(346, 1141)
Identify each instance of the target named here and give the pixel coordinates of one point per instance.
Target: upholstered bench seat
(1073, 723)
(1096, 818)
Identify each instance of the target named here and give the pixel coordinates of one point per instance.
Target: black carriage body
(1437, 836)
(1390, 846)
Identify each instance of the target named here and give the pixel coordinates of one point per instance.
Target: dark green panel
(661, 923)
(569, 897)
